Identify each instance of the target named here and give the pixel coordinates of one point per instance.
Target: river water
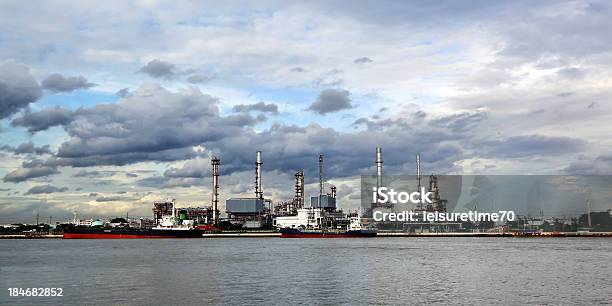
(310, 271)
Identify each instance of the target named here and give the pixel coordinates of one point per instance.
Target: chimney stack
(258, 189)
(418, 178)
(320, 175)
(379, 163)
(215, 194)
(418, 171)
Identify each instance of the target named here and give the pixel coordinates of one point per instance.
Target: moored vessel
(167, 227)
(353, 230)
(322, 233)
(84, 232)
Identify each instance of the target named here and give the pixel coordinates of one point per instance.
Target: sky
(108, 106)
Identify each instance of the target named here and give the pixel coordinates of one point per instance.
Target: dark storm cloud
(109, 199)
(291, 148)
(461, 121)
(94, 173)
(530, 145)
(331, 100)
(587, 165)
(121, 159)
(363, 60)
(58, 83)
(17, 88)
(605, 158)
(159, 69)
(44, 119)
(124, 92)
(30, 170)
(259, 107)
(199, 79)
(152, 124)
(297, 69)
(44, 189)
(162, 182)
(27, 148)
(372, 124)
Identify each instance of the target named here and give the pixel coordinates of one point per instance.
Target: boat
(86, 232)
(167, 227)
(325, 233)
(354, 230)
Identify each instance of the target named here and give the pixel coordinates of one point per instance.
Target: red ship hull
(108, 236)
(82, 232)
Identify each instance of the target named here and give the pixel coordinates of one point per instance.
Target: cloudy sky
(107, 106)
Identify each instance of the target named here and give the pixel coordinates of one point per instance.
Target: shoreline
(379, 235)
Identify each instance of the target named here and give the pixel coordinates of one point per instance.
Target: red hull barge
(83, 232)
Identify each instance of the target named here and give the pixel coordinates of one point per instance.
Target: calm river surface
(311, 271)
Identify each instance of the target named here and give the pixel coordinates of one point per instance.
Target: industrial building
(162, 208)
(251, 213)
(321, 212)
(437, 205)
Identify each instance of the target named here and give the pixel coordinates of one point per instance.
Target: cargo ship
(167, 227)
(86, 232)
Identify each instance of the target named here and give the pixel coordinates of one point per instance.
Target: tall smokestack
(258, 189)
(215, 194)
(320, 175)
(379, 163)
(418, 171)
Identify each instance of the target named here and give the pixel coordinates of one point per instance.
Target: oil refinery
(314, 215)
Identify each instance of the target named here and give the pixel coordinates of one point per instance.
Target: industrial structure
(379, 182)
(437, 205)
(215, 194)
(251, 212)
(290, 207)
(162, 208)
(320, 213)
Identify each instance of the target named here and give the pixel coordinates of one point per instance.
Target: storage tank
(324, 201)
(327, 201)
(314, 202)
(244, 205)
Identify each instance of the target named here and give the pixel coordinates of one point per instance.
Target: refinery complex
(317, 215)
